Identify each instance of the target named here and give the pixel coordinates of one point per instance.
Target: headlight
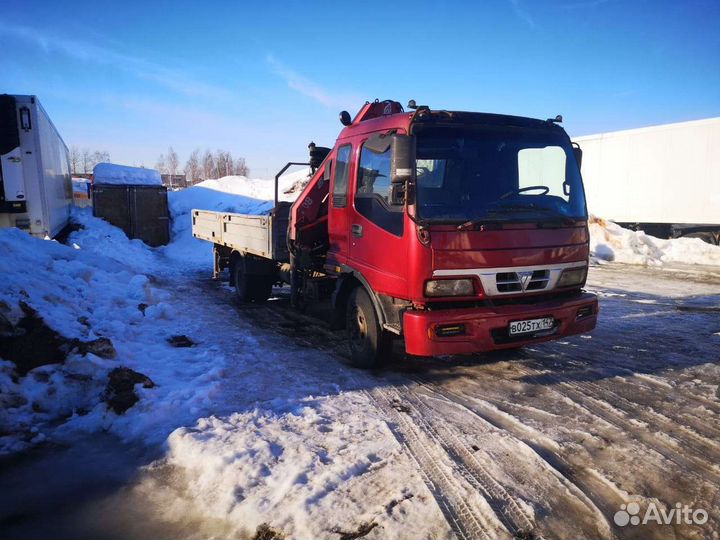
(449, 287)
(572, 276)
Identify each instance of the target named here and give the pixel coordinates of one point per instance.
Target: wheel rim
(358, 330)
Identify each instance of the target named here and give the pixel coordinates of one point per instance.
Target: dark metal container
(141, 211)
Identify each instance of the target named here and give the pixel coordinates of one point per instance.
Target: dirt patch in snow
(120, 392)
(266, 532)
(32, 343)
(180, 341)
(363, 530)
(101, 347)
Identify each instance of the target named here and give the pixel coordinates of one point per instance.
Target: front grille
(509, 282)
(531, 299)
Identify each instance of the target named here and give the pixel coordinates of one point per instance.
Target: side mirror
(578, 154)
(402, 164)
(345, 119)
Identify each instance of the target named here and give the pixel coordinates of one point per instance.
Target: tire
(250, 287)
(261, 288)
(369, 345)
(241, 281)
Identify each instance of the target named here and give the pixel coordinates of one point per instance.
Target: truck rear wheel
(369, 344)
(250, 287)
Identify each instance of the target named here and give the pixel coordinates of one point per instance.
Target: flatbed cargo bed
(260, 235)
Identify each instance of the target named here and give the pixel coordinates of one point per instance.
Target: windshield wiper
(486, 218)
(507, 209)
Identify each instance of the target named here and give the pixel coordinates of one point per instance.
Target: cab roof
(388, 114)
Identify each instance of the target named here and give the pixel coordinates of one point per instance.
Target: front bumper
(486, 328)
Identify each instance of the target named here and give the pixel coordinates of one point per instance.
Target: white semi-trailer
(35, 182)
(663, 179)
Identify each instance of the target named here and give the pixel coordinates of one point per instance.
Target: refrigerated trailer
(457, 232)
(663, 179)
(35, 183)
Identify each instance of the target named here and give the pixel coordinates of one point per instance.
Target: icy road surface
(545, 442)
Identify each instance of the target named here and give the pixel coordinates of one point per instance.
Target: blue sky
(262, 79)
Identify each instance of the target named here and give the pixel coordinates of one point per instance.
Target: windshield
(499, 174)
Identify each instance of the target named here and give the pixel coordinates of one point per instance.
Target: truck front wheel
(369, 344)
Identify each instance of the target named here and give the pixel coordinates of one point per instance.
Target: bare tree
(193, 170)
(74, 159)
(225, 163)
(99, 157)
(86, 161)
(161, 164)
(172, 163)
(241, 168)
(208, 165)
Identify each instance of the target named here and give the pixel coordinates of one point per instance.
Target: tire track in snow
(431, 451)
(712, 405)
(583, 485)
(417, 437)
(463, 518)
(600, 408)
(702, 447)
(466, 522)
(502, 503)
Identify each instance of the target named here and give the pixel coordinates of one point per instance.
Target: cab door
(338, 208)
(378, 248)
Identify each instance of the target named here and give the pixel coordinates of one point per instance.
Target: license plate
(531, 325)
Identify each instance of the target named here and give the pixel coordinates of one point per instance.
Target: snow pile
(80, 296)
(104, 285)
(313, 468)
(258, 429)
(101, 287)
(99, 238)
(256, 188)
(111, 173)
(610, 242)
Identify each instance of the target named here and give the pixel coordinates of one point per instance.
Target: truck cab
(460, 232)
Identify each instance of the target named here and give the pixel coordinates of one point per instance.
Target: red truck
(459, 232)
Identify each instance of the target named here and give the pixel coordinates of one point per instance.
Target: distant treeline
(199, 166)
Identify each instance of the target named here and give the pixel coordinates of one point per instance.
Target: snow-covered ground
(261, 420)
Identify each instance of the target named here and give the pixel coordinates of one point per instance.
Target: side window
(374, 174)
(342, 170)
(372, 196)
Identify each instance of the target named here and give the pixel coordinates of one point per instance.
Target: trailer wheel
(240, 279)
(369, 344)
(250, 287)
(261, 288)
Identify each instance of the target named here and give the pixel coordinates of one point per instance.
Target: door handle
(357, 230)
